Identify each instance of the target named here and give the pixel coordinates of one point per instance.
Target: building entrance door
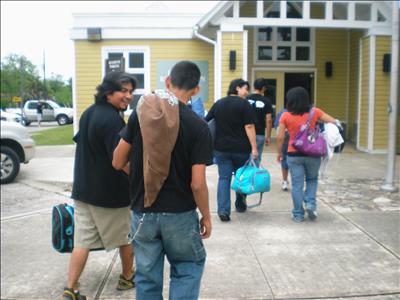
(275, 90)
(305, 80)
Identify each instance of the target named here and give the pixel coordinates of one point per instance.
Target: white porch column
(394, 81)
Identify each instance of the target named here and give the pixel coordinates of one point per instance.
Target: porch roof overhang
(218, 16)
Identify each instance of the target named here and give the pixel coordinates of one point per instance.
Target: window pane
(294, 9)
(317, 10)
(115, 55)
(340, 11)
(381, 18)
(229, 13)
(303, 53)
(136, 60)
(363, 12)
(283, 53)
(272, 9)
(140, 80)
(265, 34)
(32, 105)
(302, 34)
(265, 53)
(284, 34)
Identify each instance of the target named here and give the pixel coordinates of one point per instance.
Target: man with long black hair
(101, 193)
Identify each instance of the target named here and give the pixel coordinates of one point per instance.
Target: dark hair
(185, 75)
(259, 83)
(113, 82)
(298, 101)
(235, 83)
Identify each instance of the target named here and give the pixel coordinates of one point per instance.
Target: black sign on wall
(115, 65)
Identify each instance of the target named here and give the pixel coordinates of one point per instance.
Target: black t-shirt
(95, 180)
(262, 107)
(193, 146)
(39, 108)
(231, 114)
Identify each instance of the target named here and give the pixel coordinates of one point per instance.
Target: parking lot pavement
(43, 126)
(352, 251)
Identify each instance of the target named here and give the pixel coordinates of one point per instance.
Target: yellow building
(337, 50)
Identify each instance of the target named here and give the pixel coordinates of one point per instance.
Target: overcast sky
(32, 28)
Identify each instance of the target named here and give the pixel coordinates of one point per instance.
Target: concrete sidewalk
(351, 251)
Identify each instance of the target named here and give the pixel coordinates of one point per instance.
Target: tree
(16, 67)
(60, 91)
(13, 69)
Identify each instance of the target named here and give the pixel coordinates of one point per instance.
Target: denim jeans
(228, 163)
(300, 168)
(285, 146)
(176, 236)
(260, 140)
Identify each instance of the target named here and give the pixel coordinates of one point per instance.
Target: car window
(47, 106)
(32, 105)
(54, 104)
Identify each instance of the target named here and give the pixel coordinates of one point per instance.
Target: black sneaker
(241, 209)
(224, 217)
(312, 214)
(70, 294)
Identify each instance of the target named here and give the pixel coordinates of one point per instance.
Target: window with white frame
(284, 45)
(137, 62)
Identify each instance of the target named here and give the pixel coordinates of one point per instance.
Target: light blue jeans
(176, 236)
(303, 168)
(260, 141)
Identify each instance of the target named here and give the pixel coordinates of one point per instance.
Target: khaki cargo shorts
(101, 227)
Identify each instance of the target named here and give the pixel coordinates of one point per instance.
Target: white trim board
(74, 100)
(245, 54)
(360, 70)
(371, 92)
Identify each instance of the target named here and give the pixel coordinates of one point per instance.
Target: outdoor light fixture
(232, 60)
(386, 62)
(328, 69)
(94, 34)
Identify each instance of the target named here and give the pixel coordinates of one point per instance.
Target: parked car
(16, 147)
(11, 117)
(52, 111)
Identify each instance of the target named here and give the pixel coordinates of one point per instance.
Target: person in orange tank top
(302, 168)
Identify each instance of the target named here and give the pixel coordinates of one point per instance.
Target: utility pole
(389, 184)
(21, 82)
(44, 76)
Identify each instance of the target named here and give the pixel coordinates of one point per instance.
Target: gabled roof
(227, 13)
(149, 20)
(219, 9)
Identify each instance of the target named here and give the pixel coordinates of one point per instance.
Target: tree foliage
(20, 78)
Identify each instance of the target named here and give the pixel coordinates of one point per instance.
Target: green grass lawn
(61, 135)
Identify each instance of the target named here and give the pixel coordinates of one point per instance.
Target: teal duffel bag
(251, 179)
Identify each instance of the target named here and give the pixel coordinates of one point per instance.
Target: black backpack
(63, 228)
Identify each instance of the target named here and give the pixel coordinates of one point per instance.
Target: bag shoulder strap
(310, 115)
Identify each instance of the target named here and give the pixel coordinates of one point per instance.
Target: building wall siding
(331, 91)
(382, 94)
(89, 65)
(248, 9)
(231, 41)
(364, 89)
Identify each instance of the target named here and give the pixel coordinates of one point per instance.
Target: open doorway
(305, 80)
